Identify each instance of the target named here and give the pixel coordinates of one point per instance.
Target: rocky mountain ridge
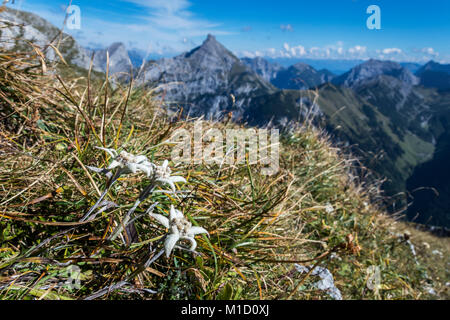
(208, 80)
(28, 26)
(434, 75)
(298, 76)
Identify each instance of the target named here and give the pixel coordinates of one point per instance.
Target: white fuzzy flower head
(329, 208)
(163, 176)
(127, 163)
(179, 229)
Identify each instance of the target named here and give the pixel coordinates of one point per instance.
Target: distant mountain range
(395, 117)
(336, 66)
(435, 75)
(298, 76)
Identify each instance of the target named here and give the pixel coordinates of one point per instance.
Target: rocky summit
(28, 26)
(119, 61)
(372, 69)
(208, 80)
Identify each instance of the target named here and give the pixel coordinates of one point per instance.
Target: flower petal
(114, 164)
(196, 230)
(161, 219)
(111, 152)
(167, 181)
(174, 213)
(170, 242)
(148, 170)
(132, 167)
(178, 179)
(95, 169)
(140, 159)
(192, 241)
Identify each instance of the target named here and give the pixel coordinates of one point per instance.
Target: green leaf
(226, 293)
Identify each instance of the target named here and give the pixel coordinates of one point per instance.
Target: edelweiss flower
(127, 162)
(329, 208)
(162, 175)
(180, 229)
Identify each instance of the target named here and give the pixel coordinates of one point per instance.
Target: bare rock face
(374, 68)
(298, 76)
(301, 76)
(119, 61)
(267, 70)
(28, 26)
(209, 80)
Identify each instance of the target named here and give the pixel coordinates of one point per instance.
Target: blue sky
(410, 30)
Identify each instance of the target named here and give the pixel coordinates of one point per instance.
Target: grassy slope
(355, 121)
(400, 152)
(259, 225)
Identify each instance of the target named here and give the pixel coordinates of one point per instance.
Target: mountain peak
(434, 66)
(119, 61)
(210, 37)
(382, 64)
(373, 68)
(213, 51)
(300, 66)
(435, 75)
(116, 47)
(211, 43)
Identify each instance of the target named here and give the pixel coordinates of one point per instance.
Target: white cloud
(430, 51)
(392, 51)
(332, 51)
(271, 51)
(161, 25)
(247, 54)
(357, 50)
(338, 51)
(174, 15)
(314, 50)
(298, 51)
(169, 6)
(290, 52)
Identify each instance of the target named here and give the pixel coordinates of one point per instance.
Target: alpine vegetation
(87, 183)
(127, 163)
